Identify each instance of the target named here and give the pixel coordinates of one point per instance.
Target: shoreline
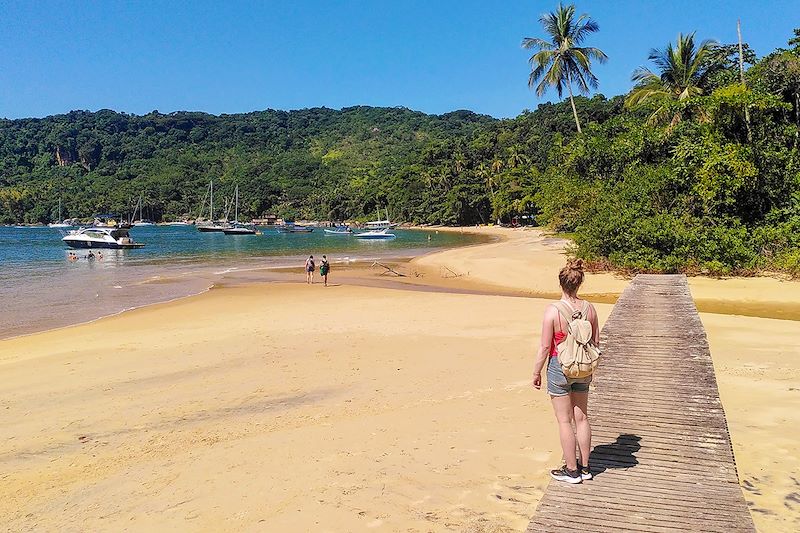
(117, 288)
(356, 272)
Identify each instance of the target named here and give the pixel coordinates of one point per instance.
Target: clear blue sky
(230, 57)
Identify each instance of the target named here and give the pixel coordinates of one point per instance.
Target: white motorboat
(102, 237)
(380, 234)
(145, 222)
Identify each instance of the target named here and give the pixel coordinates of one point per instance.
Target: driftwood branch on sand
(388, 270)
(447, 272)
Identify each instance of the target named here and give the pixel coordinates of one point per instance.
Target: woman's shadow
(618, 454)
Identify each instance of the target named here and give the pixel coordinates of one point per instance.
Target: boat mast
(211, 214)
(236, 212)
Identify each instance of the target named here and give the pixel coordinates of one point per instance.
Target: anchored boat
(210, 224)
(237, 228)
(381, 234)
(339, 230)
(102, 237)
(294, 228)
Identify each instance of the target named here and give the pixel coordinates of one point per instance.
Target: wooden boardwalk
(662, 454)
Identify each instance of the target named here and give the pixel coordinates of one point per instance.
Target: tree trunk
(741, 79)
(572, 101)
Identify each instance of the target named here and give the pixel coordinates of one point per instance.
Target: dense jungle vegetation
(692, 171)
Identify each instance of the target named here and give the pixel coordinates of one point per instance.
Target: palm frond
(535, 75)
(645, 93)
(550, 24)
(583, 27)
(535, 42)
(542, 58)
(554, 77)
(592, 53)
(644, 74)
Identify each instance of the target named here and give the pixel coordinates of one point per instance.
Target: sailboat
(141, 221)
(210, 225)
(237, 228)
(380, 224)
(61, 222)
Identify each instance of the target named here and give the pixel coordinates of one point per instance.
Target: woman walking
(570, 396)
(310, 267)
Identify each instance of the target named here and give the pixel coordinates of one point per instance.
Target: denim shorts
(560, 385)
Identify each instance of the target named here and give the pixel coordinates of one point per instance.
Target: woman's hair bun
(575, 264)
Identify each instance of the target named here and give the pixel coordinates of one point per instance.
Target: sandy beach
(288, 407)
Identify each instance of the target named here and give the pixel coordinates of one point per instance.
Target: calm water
(40, 289)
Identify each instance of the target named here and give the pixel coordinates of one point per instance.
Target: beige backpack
(577, 354)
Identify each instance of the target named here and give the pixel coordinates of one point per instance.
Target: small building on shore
(267, 220)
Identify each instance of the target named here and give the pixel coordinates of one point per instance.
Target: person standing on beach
(570, 396)
(324, 268)
(310, 267)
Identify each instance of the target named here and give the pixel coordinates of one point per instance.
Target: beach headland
(358, 406)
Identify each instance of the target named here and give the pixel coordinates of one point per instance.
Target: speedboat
(103, 237)
(339, 230)
(381, 234)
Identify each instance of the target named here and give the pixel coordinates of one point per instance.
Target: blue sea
(40, 289)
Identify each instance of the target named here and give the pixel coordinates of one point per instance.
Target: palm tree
(683, 70)
(459, 162)
(483, 173)
(497, 165)
(561, 61)
(516, 157)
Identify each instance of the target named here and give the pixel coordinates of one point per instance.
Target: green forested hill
(706, 183)
(305, 162)
(313, 163)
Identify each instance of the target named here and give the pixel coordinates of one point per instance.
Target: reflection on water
(40, 288)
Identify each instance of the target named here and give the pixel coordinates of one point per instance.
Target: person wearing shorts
(310, 267)
(570, 397)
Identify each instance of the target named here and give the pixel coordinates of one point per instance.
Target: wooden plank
(662, 458)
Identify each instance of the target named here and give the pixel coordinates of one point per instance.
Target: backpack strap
(564, 311)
